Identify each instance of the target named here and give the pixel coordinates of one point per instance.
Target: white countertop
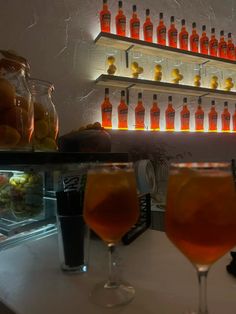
(31, 281)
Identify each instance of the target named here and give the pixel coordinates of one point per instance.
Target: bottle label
(149, 30)
(173, 36)
(123, 113)
(200, 116)
(185, 115)
(122, 23)
(155, 114)
(107, 115)
(106, 19)
(170, 115)
(136, 28)
(140, 113)
(162, 33)
(205, 43)
(185, 39)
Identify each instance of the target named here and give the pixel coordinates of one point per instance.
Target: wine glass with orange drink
(110, 209)
(201, 216)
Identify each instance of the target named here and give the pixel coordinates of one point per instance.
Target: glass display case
(28, 185)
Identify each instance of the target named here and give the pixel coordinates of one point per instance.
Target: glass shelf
(128, 44)
(169, 88)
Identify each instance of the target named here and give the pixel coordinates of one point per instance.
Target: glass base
(112, 295)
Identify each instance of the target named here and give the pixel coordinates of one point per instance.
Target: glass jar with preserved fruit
(26, 194)
(16, 108)
(45, 116)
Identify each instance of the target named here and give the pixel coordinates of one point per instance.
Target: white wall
(56, 36)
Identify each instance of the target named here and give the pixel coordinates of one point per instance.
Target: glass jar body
(45, 116)
(16, 108)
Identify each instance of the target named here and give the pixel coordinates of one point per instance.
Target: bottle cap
(222, 33)
(161, 16)
(194, 25)
(172, 19)
(120, 4)
(226, 103)
(185, 99)
(170, 98)
(106, 91)
(140, 95)
(213, 30)
(183, 22)
(229, 35)
(104, 1)
(69, 203)
(203, 28)
(122, 93)
(213, 102)
(155, 97)
(134, 8)
(199, 100)
(147, 12)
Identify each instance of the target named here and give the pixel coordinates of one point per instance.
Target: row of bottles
(170, 115)
(182, 40)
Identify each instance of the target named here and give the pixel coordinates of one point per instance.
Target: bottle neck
(120, 11)
(204, 34)
(213, 36)
(185, 106)
(105, 7)
(161, 22)
(122, 99)
(135, 15)
(194, 31)
(222, 38)
(183, 29)
(106, 96)
(148, 19)
(230, 41)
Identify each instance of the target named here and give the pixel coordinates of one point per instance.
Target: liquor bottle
(183, 37)
(204, 41)
(161, 31)
(120, 21)
(212, 118)
(155, 115)
(230, 48)
(213, 45)
(225, 118)
(139, 113)
(199, 117)
(170, 116)
(194, 39)
(185, 116)
(105, 18)
(234, 119)
(135, 24)
(172, 33)
(148, 28)
(106, 111)
(123, 113)
(222, 48)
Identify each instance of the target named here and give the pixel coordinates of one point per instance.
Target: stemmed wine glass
(110, 210)
(201, 216)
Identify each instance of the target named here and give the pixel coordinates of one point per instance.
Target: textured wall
(56, 36)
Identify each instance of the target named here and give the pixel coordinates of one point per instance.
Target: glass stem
(111, 274)
(202, 273)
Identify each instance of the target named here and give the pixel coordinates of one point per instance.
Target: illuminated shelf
(161, 87)
(126, 43)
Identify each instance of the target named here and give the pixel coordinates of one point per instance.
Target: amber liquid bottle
(199, 117)
(123, 113)
(139, 113)
(148, 28)
(212, 118)
(161, 31)
(106, 111)
(225, 118)
(172, 33)
(194, 39)
(234, 119)
(135, 24)
(105, 18)
(222, 48)
(170, 116)
(183, 37)
(204, 41)
(230, 48)
(185, 117)
(155, 115)
(213, 45)
(120, 21)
